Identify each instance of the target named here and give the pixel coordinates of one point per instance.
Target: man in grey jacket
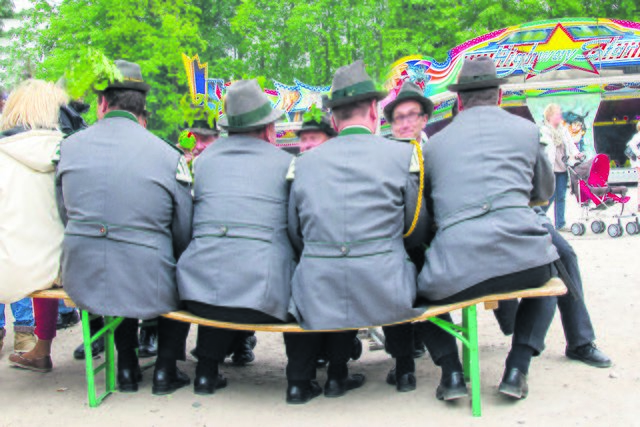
(348, 227)
(125, 199)
(482, 172)
(239, 263)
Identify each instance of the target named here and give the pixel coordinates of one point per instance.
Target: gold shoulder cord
(420, 196)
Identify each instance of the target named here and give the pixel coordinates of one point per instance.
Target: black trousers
(576, 322)
(217, 343)
(303, 349)
(532, 320)
(172, 336)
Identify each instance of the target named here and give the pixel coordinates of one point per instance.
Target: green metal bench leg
(471, 357)
(110, 325)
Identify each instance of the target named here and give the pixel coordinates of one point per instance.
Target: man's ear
(460, 106)
(499, 96)
(373, 111)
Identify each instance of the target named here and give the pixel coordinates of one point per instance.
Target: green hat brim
(476, 85)
(273, 116)
(130, 85)
(427, 105)
(334, 103)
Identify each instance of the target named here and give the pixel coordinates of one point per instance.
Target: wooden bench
(467, 333)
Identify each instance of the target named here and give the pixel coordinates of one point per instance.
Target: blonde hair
(35, 104)
(550, 109)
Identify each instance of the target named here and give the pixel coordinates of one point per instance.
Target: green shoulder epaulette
(291, 172)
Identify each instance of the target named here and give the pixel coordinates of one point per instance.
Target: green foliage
(314, 114)
(91, 71)
(282, 40)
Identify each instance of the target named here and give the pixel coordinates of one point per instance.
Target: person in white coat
(30, 231)
(562, 152)
(634, 144)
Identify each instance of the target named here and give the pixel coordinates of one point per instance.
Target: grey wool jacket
(125, 198)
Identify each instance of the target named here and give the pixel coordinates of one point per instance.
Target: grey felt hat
(351, 83)
(131, 77)
(247, 108)
(408, 92)
(475, 74)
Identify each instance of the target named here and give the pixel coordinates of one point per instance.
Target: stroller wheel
(614, 230)
(578, 229)
(598, 227)
(632, 228)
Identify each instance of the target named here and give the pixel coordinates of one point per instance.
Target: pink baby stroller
(589, 183)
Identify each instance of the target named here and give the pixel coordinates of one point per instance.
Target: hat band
(250, 117)
(355, 89)
(473, 79)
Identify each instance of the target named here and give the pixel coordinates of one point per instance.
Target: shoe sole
(132, 388)
(162, 391)
(302, 402)
(589, 362)
(406, 389)
(450, 395)
(513, 392)
(207, 392)
(30, 368)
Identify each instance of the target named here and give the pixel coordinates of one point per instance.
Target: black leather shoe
(166, 381)
(419, 350)
(97, 347)
(68, 319)
(321, 362)
(337, 388)
(589, 354)
(514, 384)
(243, 354)
(452, 387)
(128, 379)
(148, 343)
(297, 395)
(356, 350)
(208, 384)
(407, 382)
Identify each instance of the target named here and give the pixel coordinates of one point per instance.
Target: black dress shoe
(208, 384)
(166, 381)
(243, 353)
(97, 347)
(337, 388)
(514, 384)
(356, 350)
(452, 387)
(297, 395)
(406, 382)
(321, 361)
(128, 379)
(589, 354)
(68, 319)
(148, 343)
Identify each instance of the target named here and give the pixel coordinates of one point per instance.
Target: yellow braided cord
(420, 196)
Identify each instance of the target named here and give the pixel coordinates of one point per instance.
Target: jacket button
(224, 230)
(344, 250)
(485, 207)
(103, 230)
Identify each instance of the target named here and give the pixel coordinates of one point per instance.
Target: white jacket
(634, 143)
(546, 138)
(30, 228)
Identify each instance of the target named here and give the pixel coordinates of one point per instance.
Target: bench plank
(553, 287)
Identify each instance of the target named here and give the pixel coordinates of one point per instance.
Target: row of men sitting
(334, 238)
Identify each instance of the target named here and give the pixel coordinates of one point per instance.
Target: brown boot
(23, 340)
(42, 364)
(3, 332)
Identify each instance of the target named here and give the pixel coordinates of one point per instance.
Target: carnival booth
(590, 67)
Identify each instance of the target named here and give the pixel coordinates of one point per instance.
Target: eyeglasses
(411, 117)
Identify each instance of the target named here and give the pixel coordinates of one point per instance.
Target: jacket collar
(355, 130)
(121, 113)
